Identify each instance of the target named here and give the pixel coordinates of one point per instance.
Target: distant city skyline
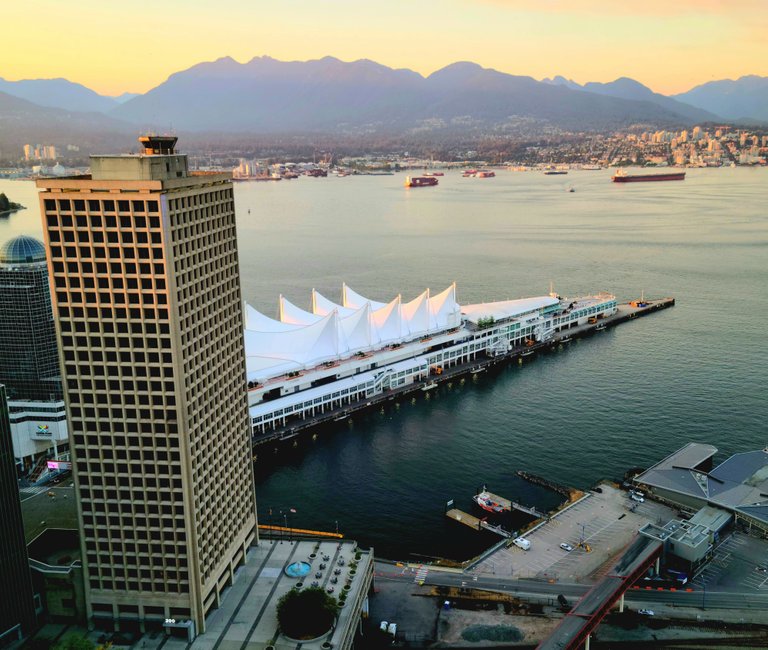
(670, 47)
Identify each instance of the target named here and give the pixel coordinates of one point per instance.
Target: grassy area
(44, 511)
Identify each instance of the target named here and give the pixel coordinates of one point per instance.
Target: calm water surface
(625, 398)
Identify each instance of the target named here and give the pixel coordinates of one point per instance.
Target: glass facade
(29, 365)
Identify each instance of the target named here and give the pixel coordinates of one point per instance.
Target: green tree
(74, 642)
(304, 614)
(5, 204)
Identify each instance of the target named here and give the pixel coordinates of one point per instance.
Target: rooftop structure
(738, 485)
(248, 618)
(22, 250)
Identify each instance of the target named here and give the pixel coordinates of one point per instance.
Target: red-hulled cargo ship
(622, 177)
(420, 181)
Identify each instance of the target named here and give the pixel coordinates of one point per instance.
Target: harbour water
(589, 410)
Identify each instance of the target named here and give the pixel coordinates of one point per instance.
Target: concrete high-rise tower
(144, 266)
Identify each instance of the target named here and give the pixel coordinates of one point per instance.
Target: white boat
(565, 339)
(527, 353)
(429, 386)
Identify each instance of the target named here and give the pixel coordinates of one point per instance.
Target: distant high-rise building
(29, 361)
(17, 608)
(144, 264)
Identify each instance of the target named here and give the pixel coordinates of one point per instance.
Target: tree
(5, 204)
(305, 614)
(74, 642)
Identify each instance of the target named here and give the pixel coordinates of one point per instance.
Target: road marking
(421, 574)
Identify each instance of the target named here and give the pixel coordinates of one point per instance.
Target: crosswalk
(421, 575)
(28, 492)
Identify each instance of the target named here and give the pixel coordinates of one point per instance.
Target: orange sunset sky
(115, 47)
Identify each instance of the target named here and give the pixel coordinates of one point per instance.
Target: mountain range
(327, 95)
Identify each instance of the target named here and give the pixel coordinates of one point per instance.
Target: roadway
(535, 589)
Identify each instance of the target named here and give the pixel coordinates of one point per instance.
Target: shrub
(306, 614)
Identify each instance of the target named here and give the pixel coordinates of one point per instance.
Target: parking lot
(739, 563)
(605, 522)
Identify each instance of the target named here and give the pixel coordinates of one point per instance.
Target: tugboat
(420, 181)
(486, 502)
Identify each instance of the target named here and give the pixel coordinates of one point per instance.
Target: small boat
(420, 181)
(477, 371)
(555, 172)
(486, 502)
(527, 353)
(485, 174)
(600, 327)
(429, 386)
(434, 174)
(469, 173)
(566, 339)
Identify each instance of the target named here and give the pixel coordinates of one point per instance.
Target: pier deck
(463, 518)
(625, 312)
(475, 523)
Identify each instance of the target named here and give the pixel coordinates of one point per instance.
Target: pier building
(306, 363)
(738, 485)
(143, 261)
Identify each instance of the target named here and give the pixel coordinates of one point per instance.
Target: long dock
(530, 511)
(475, 523)
(625, 312)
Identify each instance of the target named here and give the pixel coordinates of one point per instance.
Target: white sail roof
(290, 313)
(416, 314)
(322, 306)
(354, 300)
(255, 320)
(301, 339)
(444, 311)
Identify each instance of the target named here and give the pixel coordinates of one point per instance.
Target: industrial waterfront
(587, 410)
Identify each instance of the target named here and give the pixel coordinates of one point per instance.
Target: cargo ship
(420, 181)
(621, 176)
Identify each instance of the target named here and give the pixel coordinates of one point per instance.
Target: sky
(116, 46)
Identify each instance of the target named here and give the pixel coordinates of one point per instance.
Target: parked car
(645, 612)
(566, 547)
(635, 497)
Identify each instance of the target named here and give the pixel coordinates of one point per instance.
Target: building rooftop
(22, 250)
(739, 483)
(248, 615)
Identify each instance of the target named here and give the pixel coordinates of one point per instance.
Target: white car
(636, 497)
(645, 612)
(566, 547)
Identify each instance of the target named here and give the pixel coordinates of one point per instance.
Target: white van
(522, 543)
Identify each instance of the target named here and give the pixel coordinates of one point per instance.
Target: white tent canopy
(302, 339)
